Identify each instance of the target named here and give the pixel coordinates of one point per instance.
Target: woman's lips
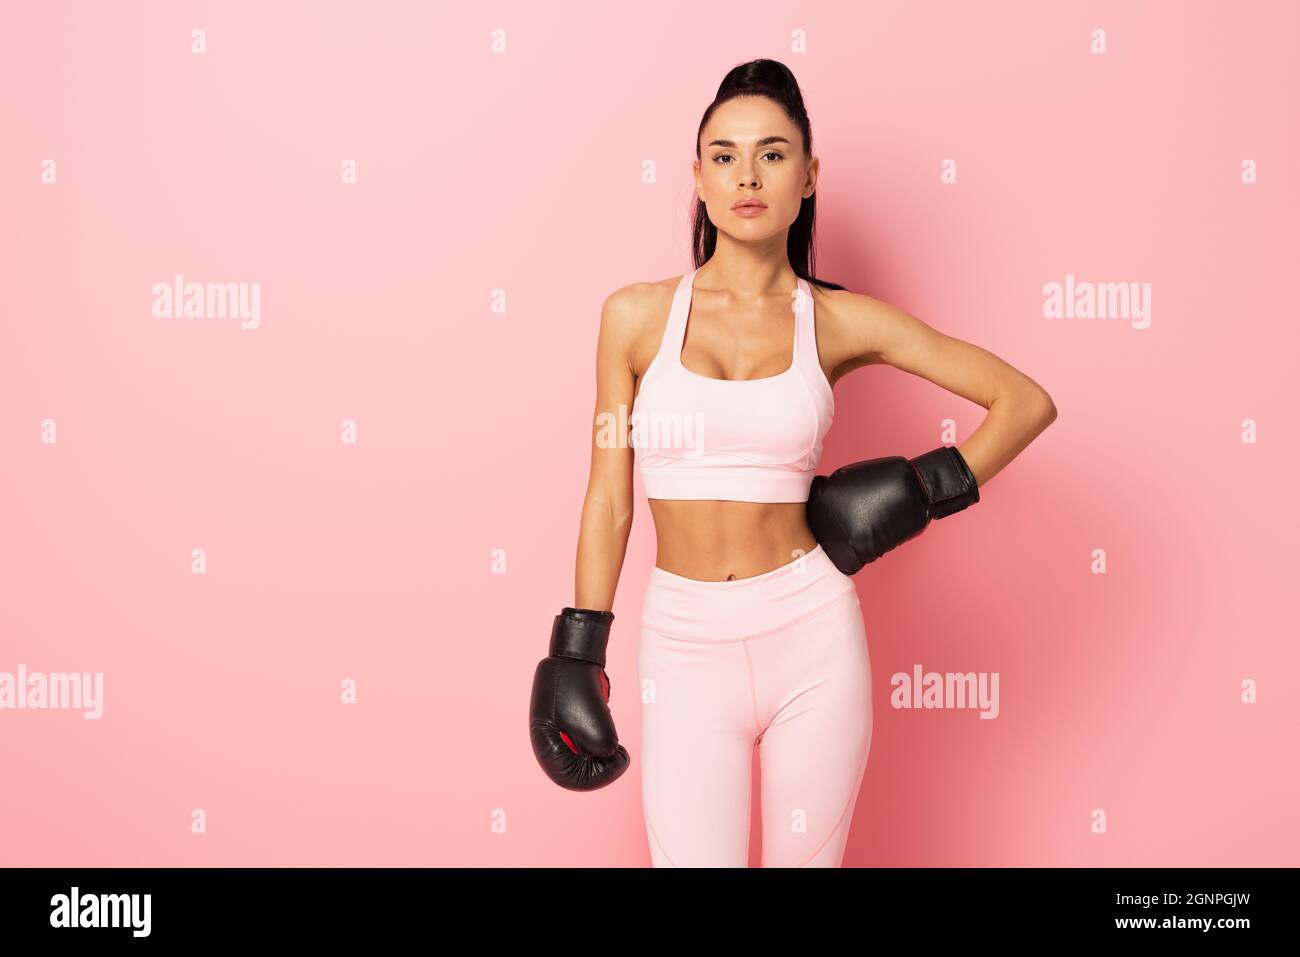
(749, 211)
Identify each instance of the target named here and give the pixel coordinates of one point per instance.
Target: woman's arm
(1018, 407)
(607, 509)
(570, 723)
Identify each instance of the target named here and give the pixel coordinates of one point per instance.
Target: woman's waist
(720, 540)
(684, 607)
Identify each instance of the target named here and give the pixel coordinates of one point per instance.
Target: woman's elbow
(1043, 406)
(614, 507)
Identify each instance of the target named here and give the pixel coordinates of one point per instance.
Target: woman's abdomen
(715, 540)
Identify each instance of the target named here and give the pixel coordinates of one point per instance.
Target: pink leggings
(778, 660)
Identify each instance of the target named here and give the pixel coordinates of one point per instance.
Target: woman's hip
(736, 609)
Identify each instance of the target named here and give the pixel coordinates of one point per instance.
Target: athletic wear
(779, 660)
(746, 440)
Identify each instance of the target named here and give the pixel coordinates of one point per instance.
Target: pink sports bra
(742, 440)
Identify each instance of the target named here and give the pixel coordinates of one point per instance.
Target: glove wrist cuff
(581, 633)
(948, 481)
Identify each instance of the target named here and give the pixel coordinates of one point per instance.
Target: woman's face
(750, 149)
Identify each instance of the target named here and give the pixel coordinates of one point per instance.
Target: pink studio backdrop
(446, 304)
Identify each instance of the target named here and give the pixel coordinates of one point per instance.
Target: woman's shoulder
(842, 307)
(639, 306)
(841, 298)
(634, 317)
(639, 295)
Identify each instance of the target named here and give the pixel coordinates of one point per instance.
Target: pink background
(520, 172)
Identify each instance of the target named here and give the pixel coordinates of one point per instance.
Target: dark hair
(774, 80)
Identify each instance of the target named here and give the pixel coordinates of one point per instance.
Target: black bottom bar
(647, 907)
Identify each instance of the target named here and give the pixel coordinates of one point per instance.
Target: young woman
(751, 631)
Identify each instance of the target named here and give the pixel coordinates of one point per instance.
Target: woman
(751, 630)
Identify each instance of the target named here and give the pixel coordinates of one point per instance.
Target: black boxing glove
(569, 720)
(863, 510)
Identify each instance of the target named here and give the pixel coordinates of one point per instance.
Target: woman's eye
(723, 156)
